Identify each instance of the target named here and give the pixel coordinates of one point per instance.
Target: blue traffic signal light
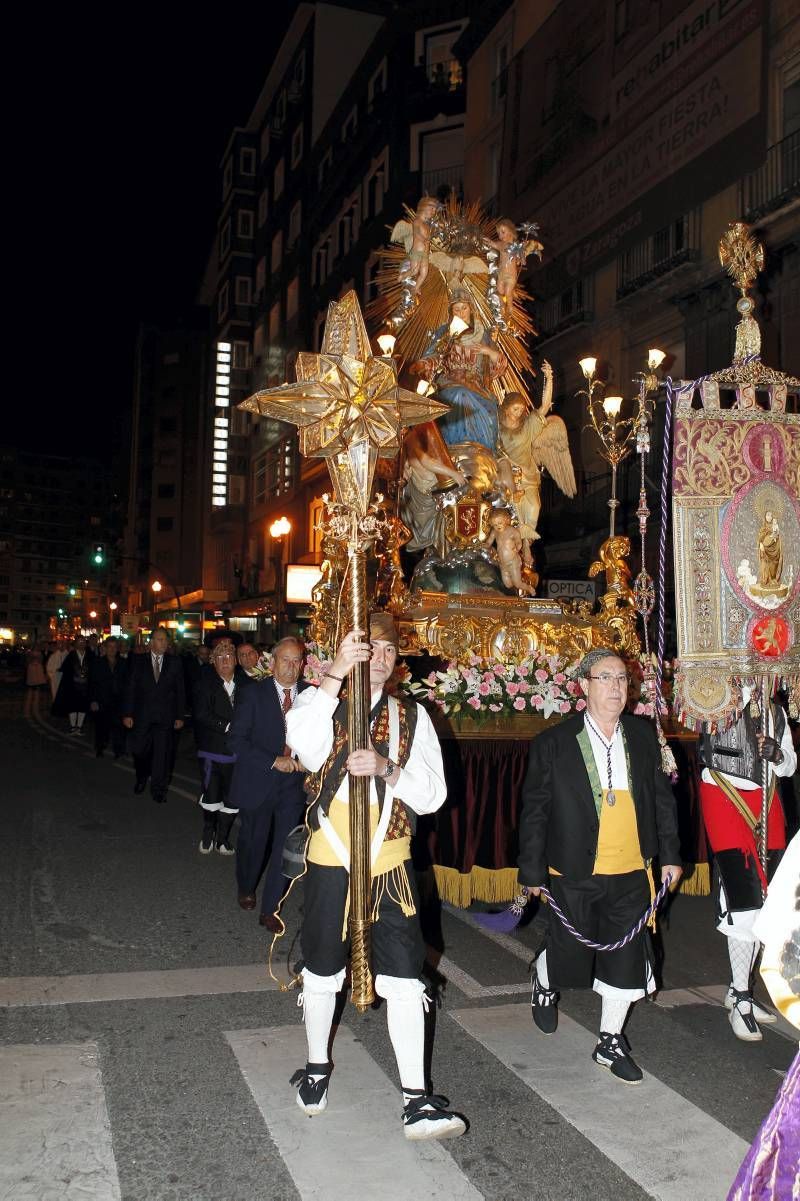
(99, 555)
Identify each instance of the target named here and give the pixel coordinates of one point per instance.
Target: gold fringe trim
(696, 883)
(481, 884)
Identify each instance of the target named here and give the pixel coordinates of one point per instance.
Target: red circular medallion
(770, 636)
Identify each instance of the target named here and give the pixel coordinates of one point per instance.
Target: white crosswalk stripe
(19, 991)
(358, 1138)
(669, 1147)
(55, 1137)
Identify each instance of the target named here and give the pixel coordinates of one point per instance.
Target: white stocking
(318, 1000)
(81, 717)
(405, 1016)
(614, 1012)
(541, 970)
(743, 956)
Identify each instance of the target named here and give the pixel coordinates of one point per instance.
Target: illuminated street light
(93, 614)
(113, 606)
(280, 527)
(156, 586)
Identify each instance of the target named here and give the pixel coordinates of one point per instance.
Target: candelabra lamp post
(350, 409)
(614, 432)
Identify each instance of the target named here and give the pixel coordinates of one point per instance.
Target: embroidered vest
(323, 785)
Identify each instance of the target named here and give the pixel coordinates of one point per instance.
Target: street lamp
(156, 586)
(615, 433)
(279, 530)
(93, 614)
(113, 606)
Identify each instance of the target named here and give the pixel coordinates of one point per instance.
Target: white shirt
(619, 766)
(282, 689)
(156, 661)
(229, 686)
(787, 768)
(420, 784)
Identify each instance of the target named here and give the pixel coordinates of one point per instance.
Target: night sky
(120, 156)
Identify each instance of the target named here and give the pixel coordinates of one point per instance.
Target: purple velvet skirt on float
(770, 1168)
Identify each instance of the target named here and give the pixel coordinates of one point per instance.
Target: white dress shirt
(420, 784)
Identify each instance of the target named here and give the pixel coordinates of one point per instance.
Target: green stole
(585, 744)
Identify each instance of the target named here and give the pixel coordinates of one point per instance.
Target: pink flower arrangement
(543, 684)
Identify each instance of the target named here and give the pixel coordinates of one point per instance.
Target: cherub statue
(510, 551)
(611, 562)
(415, 235)
(513, 252)
(532, 439)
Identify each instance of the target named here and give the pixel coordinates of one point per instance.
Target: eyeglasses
(606, 678)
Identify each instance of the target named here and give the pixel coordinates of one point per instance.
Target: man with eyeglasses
(597, 809)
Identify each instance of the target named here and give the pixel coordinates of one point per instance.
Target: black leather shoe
(613, 1052)
(160, 798)
(139, 786)
(544, 1005)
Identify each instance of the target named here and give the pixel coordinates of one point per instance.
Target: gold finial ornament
(743, 257)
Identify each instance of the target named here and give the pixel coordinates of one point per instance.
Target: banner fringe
(481, 884)
(697, 882)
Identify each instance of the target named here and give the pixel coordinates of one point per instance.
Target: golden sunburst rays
(340, 399)
(457, 260)
(741, 255)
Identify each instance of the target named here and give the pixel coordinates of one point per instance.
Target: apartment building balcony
(449, 178)
(776, 183)
(664, 252)
(572, 307)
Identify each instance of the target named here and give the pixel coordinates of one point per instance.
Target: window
(350, 125)
(292, 296)
(273, 471)
(300, 69)
(244, 223)
(243, 290)
(275, 322)
(277, 251)
(227, 177)
(241, 356)
(164, 524)
(297, 145)
(263, 201)
(223, 300)
(247, 161)
(316, 514)
(166, 491)
(261, 275)
(295, 218)
(371, 270)
(263, 145)
(278, 180)
(258, 341)
(374, 186)
(224, 239)
(500, 82)
(620, 19)
(377, 84)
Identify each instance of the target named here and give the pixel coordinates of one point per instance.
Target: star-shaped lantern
(346, 403)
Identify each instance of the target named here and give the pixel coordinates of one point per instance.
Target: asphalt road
(145, 1055)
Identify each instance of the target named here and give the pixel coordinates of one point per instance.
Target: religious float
(446, 541)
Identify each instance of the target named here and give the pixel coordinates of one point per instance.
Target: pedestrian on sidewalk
(596, 810)
(216, 698)
(72, 698)
(267, 786)
(153, 709)
(406, 775)
(730, 799)
(55, 661)
(107, 680)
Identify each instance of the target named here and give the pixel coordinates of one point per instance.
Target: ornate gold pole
(358, 707)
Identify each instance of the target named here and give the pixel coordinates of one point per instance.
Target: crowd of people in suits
(138, 700)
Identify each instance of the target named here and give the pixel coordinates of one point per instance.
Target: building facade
(361, 113)
(168, 480)
(634, 133)
(58, 517)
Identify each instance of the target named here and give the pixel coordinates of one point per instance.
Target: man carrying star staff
(596, 810)
(404, 764)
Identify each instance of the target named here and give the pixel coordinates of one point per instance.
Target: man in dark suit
(596, 809)
(153, 708)
(107, 678)
(267, 786)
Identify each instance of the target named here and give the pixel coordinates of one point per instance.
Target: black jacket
(107, 687)
(151, 704)
(559, 825)
(213, 709)
(257, 737)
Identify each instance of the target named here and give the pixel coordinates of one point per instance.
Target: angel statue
(415, 235)
(425, 464)
(531, 440)
(513, 252)
(464, 364)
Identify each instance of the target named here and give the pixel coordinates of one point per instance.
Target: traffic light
(99, 555)
(72, 590)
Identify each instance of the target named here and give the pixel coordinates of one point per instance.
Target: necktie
(287, 704)
(156, 667)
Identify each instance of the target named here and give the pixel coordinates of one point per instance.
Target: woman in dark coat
(214, 702)
(72, 698)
